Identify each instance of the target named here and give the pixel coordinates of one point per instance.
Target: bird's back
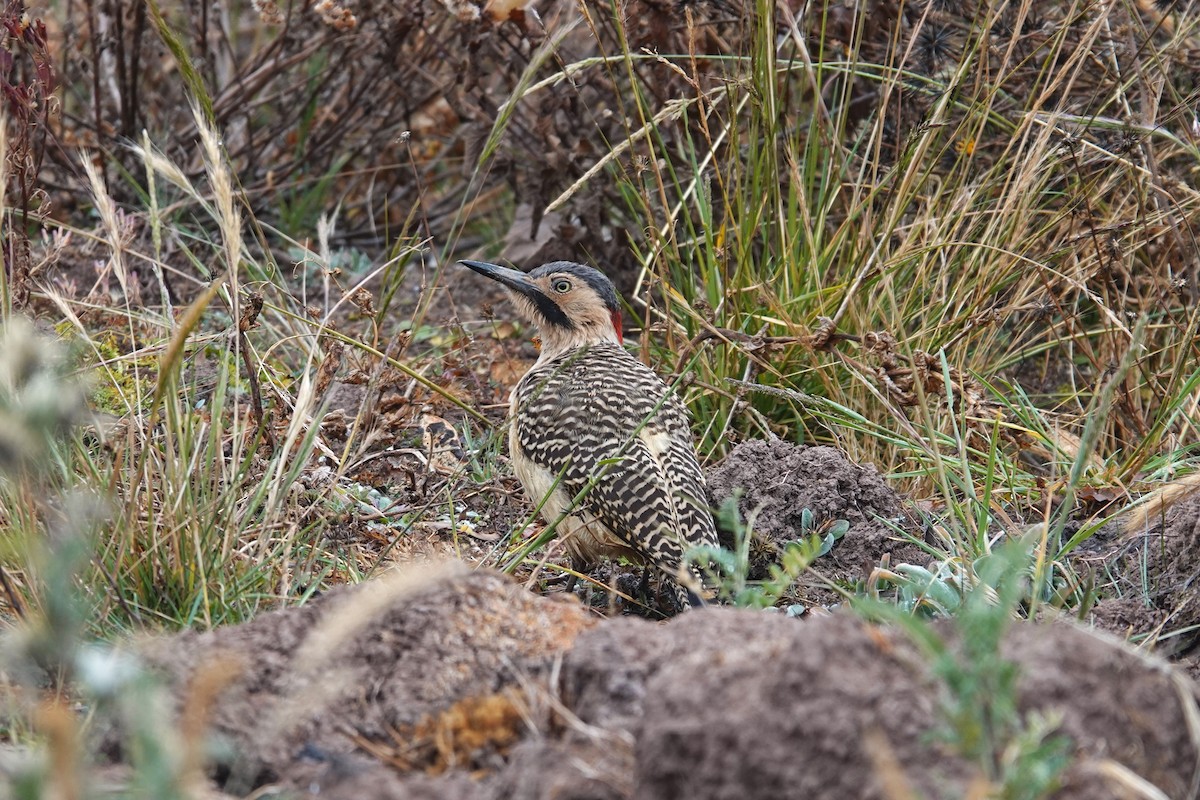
(596, 418)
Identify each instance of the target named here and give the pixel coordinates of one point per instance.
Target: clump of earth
(777, 482)
(442, 682)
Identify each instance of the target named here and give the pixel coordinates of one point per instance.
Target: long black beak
(548, 311)
(514, 279)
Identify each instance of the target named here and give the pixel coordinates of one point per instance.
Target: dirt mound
(1115, 705)
(1172, 563)
(1158, 577)
(779, 480)
(461, 685)
(375, 668)
(1126, 616)
(821, 709)
(798, 728)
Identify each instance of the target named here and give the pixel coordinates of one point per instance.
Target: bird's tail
(689, 589)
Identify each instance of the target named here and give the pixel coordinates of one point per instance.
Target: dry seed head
(109, 218)
(163, 166)
(228, 215)
(268, 11)
(364, 300)
(316, 656)
(335, 16)
(463, 10)
(326, 227)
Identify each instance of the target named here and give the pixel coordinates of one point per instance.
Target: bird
(597, 434)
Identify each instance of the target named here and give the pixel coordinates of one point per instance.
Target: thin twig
(249, 316)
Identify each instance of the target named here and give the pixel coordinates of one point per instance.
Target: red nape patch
(616, 321)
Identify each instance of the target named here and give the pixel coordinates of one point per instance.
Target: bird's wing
(696, 519)
(643, 486)
(648, 488)
(646, 501)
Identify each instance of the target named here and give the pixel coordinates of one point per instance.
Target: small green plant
(829, 534)
(1019, 753)
(730, 569)
(925, 591)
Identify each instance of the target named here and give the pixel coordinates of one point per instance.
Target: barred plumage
(590, 419)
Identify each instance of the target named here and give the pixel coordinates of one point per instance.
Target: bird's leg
(578, 566)
(644, 586)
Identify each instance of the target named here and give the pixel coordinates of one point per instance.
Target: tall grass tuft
(207, 416)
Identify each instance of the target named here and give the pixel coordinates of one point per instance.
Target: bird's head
(570, 304)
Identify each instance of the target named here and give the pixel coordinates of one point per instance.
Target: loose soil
(445, 682)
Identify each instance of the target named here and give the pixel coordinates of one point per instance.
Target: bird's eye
(561, 285)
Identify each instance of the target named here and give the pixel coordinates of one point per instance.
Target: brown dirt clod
(360, 663)
(778, 480)
(502, 693)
